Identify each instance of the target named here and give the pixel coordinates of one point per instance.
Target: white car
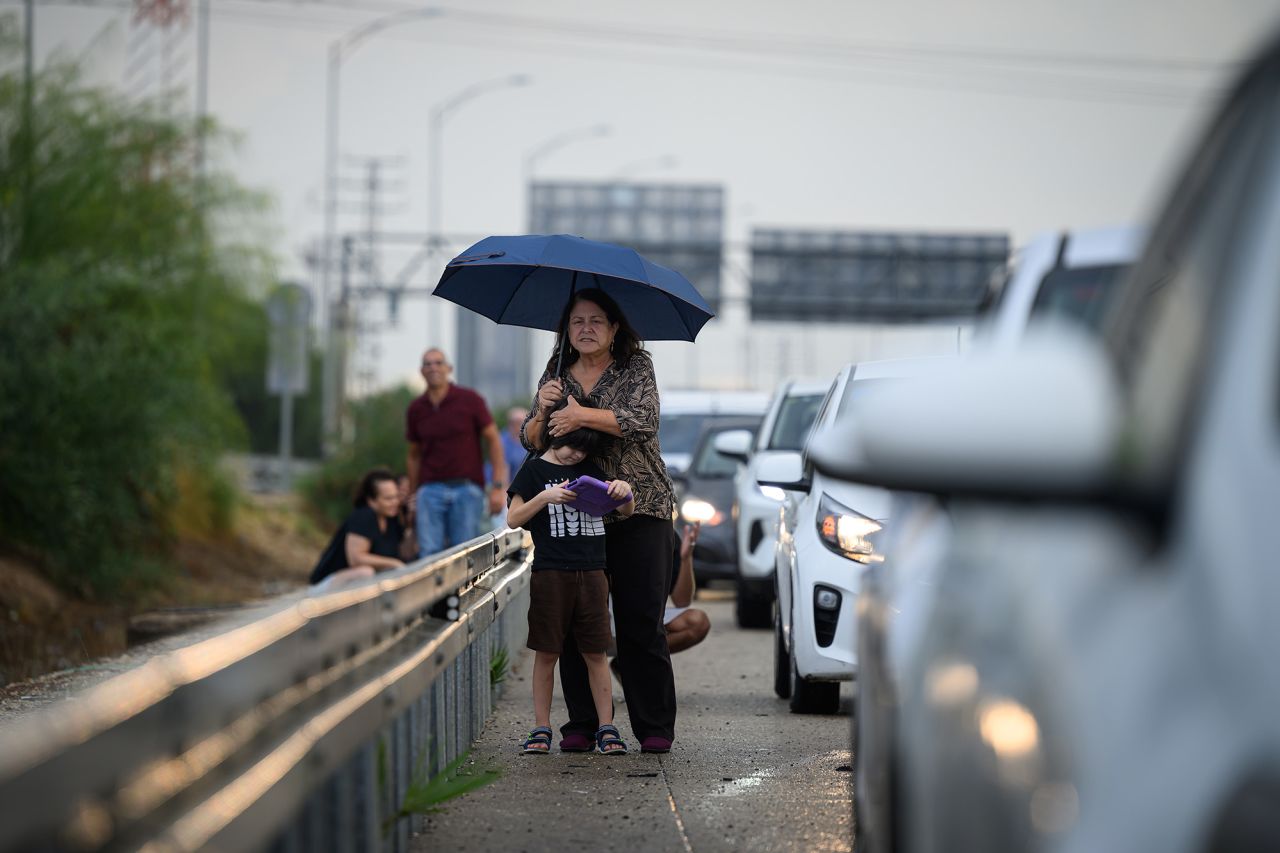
(786, 426)
(1070, 275)
(684, 414)
(827, 531)
(1098, 671)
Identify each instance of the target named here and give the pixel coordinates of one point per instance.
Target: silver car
(1097, 671)
(1068, 276)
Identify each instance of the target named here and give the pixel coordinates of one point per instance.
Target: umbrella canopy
(528, 281)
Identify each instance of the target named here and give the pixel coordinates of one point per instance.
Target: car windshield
(1080, 294)
(711, 462)
(795, 416)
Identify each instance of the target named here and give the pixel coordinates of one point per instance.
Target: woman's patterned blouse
(631, 393)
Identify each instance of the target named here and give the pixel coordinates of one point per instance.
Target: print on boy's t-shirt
(567, 521)
(563, 537)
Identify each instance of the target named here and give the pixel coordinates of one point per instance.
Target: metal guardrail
(299, 731)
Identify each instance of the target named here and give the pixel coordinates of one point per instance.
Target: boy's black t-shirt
(363, 521)
(563, 537)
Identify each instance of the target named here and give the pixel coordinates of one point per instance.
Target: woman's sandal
(576, 743)
(538, 742)
(609, 742)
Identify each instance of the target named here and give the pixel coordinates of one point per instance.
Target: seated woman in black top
(369, 540)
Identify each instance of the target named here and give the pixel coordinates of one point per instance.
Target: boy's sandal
(609, 742)
(538, 742)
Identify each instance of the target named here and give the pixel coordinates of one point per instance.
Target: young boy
(569, 588)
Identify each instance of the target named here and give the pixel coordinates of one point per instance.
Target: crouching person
(371, 540)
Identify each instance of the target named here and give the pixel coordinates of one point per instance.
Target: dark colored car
(705, 492)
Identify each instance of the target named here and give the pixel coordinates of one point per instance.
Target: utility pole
(339, 337)
(28, 112)
(344, 329)
(202, 83)
(374, 184)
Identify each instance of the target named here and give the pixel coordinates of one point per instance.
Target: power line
(926, 66)
(775, 43)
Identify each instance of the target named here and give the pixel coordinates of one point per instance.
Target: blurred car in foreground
(1069, 277)
(1098, 671)
(683, 414)
(827, 531)
(784, 429)
(705, 495)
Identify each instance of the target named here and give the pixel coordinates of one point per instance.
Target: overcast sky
(984, 115)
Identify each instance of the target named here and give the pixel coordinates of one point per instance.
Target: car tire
(753, 610)
(813, 697)
(781, 659)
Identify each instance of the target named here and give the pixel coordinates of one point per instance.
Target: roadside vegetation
(132, 328)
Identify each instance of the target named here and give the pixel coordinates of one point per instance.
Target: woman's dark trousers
(639, 553)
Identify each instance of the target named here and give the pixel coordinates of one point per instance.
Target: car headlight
(700, 511)
(850, 534)
(773, 493)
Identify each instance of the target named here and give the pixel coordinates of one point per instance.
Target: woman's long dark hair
(626, 342)
(369, 486)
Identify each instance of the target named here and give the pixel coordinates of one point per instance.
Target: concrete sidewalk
(745, 774)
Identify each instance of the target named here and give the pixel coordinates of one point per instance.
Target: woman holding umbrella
(605, 364)
(601, 299)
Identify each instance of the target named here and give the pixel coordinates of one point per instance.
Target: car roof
(692, 402)
(725, 423)
(895, 367)
(804, 387)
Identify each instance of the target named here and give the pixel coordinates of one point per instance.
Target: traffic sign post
(289, 315)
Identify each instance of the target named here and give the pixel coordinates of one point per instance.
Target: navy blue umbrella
(528, 281)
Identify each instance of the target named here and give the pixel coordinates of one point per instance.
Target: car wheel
(781, 659)
(753, 609)
(813, 697)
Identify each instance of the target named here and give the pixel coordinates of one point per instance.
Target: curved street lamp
(435, 177)
(555, 143)
(550, 146)
(341, 49)
(435, 145)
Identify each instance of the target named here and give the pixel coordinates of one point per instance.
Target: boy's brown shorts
(560, 600)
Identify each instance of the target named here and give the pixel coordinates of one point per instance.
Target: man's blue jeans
(448, 515)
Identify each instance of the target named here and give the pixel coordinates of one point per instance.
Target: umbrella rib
(516, 290)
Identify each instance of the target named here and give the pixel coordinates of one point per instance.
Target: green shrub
(115, 289)
(377, 425)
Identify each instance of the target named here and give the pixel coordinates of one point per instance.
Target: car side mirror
(734, 443)
(1043, 421)
(784, 471)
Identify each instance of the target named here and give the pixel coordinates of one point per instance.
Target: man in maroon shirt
(445, 428)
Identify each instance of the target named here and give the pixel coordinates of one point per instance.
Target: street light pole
(341, 49)
(435, 167)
